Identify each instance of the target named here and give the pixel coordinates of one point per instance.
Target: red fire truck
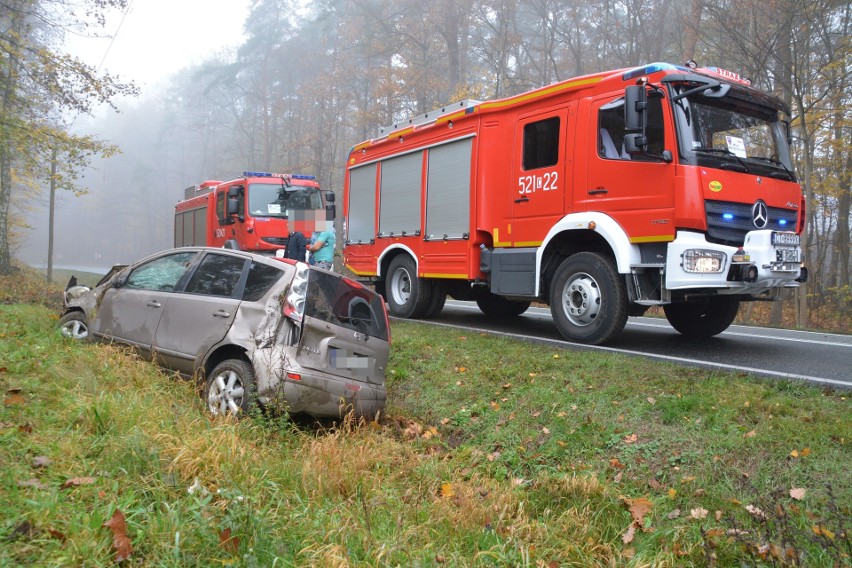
(250, 213)
(600, 196)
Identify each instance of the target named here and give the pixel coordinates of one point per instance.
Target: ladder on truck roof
(431, 116)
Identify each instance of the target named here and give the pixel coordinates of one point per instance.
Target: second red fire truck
(253, 213)
(659, 185)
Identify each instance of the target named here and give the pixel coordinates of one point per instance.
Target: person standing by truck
(321, 246)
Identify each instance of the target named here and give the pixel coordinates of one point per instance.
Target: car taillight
(294, 304)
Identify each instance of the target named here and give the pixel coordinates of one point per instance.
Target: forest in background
(305, 86)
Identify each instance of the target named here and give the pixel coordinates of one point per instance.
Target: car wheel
(230, 388)
(74, 325)
(407, 295)
(588, 299)
(703, 318)
(495, 305)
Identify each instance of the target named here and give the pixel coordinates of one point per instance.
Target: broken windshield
(276, 200)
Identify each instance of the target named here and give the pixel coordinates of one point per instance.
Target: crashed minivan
(257, 330)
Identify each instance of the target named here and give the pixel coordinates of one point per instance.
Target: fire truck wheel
(703, 318)
(494, 305)
(407, 295)
(588, 299)
(437, 299)
(230, 388)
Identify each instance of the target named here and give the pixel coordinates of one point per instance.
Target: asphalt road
(821, 358)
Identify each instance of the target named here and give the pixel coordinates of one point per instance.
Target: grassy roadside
(492, 453)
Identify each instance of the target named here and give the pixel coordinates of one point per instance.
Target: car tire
(74, 325)
(494, 305)
(230, 388)
(588, 299)
(407, 295)
(703, 318)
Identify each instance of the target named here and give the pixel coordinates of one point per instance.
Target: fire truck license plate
(788, 239)
(787, 255)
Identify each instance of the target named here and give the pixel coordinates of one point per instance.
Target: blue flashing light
(648, 69)
(782, 222)
(728, 216)
(268, 174)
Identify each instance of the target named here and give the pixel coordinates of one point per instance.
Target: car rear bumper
(281, 382)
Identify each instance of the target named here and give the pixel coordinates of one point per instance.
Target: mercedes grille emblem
(759, 215)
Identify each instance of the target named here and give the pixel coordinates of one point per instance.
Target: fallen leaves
(698, 513)
(121, 542)
(229, 542)
(797, 493)
(77, 482)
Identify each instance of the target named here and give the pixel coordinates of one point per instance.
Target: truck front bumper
(767, 260)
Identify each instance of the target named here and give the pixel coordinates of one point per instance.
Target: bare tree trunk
(690, 39)
(51, 216)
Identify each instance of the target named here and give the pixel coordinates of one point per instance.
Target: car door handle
(522, 200)
(221, 314)
(154, 304)
(598, 191)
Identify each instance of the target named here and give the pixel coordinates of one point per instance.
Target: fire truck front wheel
(588, 299)
(703, 318)
(408, 296)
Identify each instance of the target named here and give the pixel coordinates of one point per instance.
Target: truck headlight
(703, 261)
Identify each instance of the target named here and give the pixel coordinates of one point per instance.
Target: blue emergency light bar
(267, 174)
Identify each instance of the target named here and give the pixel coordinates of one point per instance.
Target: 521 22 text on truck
(602, 195)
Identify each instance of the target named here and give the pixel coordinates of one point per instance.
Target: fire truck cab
(601, 196)
(254, 213)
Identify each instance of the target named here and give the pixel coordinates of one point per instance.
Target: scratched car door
(199, 315)
(130, 311)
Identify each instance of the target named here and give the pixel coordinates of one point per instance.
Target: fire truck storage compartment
(400, 195)
(513, 272)
(190, 230)
(448, 191)
(361, 226)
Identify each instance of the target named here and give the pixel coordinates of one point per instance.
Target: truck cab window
(541, 143)
(611, 131)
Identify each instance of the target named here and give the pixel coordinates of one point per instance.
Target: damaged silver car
(257, 330)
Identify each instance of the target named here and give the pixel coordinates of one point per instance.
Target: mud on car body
(257, 330)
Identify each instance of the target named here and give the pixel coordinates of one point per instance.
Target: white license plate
(790, 239)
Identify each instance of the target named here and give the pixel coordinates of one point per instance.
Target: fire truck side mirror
(635, 103)
(329, 197)
(234, 208)
(330, 212)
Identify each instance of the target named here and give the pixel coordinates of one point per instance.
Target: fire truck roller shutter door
(448, 191)
(361, 226)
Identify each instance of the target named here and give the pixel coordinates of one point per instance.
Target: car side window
(216, 275)
(162, 273)
(261, 277)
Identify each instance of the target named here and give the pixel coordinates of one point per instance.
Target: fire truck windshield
(734, 134)
(273, 200)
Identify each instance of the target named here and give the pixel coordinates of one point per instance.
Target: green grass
(492, 453)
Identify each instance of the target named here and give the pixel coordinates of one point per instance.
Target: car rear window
(261, 277)
(343, 302)
(217, 275)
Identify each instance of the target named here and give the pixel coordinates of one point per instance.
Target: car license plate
(787, 255)
(787, 239)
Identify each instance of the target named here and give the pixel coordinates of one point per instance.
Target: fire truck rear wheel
(437, 299)
(703, 318)
(497, 306)
(407, 295)
(588, 299)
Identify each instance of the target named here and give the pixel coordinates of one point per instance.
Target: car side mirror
(119, 281)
